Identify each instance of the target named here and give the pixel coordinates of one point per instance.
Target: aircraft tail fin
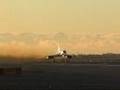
(58, 49)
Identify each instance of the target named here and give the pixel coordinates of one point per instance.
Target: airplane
(61, 53)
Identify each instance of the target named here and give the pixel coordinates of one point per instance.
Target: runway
(37, 76)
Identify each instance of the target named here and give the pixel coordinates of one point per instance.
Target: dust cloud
(37, 45)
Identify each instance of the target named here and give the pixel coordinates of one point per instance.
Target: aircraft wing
(52, 56)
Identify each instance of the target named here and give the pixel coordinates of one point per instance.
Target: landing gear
(67, 60)
(59, 59)
(53, 60)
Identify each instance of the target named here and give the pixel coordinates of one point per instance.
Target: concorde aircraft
(61, 53)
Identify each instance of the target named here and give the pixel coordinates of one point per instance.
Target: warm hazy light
(40, 45)
(90, 26)
(59, 15)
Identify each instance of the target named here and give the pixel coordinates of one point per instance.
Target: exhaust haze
(40, 45)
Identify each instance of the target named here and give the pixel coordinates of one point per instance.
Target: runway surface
(37, 76)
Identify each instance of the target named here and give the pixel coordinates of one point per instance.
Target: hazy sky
(59, 15)
(95, 21)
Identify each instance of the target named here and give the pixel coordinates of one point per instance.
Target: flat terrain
(41, 76)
